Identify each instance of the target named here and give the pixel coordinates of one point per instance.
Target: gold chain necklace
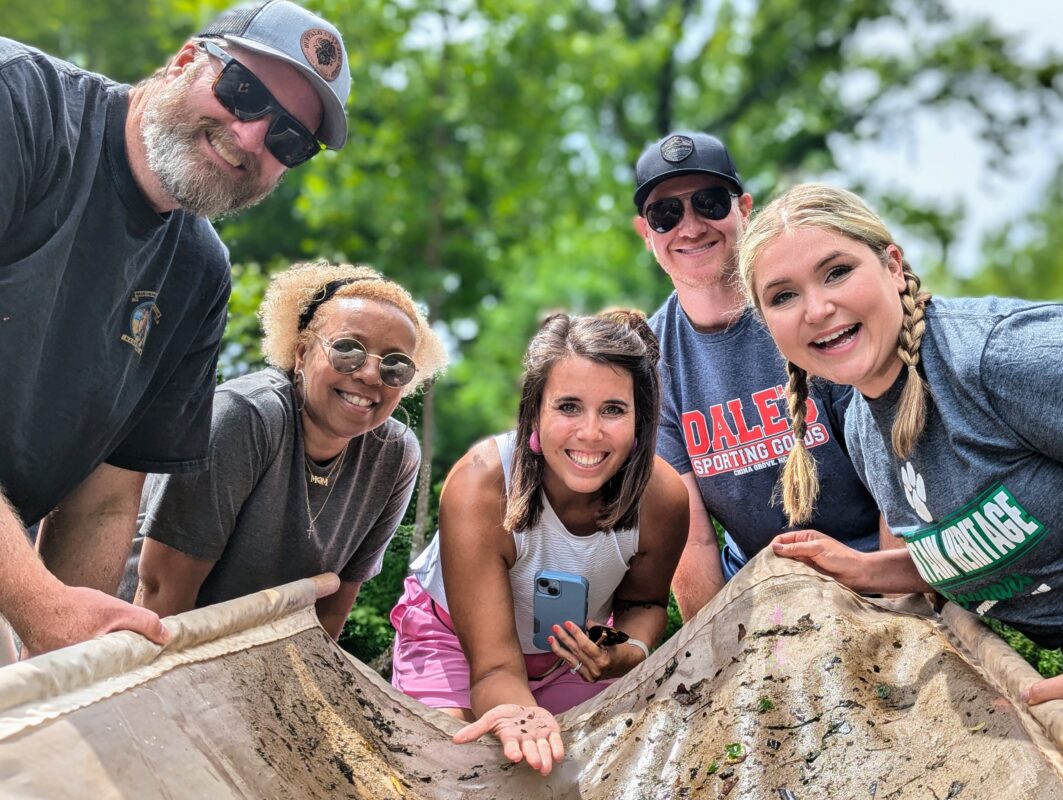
(325, 481)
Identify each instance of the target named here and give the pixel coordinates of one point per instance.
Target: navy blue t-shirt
(111, 314)
(724, 417)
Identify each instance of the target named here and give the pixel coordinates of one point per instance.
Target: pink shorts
(428, 663)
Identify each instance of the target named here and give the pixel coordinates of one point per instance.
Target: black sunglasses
(713, 203)
(606, 635)
(347, 355)
(246, 97)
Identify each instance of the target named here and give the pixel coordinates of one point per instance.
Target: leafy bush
(1048, 662)
(367, 632)
(675, 619)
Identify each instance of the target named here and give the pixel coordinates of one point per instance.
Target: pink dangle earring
(534, 444)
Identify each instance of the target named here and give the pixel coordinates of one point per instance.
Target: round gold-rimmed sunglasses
(347, 355)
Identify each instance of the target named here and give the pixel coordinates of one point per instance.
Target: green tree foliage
(1025, 260)
(367, 632)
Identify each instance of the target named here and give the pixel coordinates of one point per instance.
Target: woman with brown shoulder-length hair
(574, 497)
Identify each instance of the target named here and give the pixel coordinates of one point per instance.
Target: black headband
(324, 294)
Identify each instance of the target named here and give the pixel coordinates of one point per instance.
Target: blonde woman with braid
(956, 425)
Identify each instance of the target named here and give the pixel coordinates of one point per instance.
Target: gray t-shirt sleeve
(1022, 369)
(196, 513)
(368, 560)
(670, 444)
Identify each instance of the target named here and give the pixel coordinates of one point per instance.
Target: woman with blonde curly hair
(576, 488)
(955, 425)
(308, 471)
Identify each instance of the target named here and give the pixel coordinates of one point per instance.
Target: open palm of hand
(527, 733)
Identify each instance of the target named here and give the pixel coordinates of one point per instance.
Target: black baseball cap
(682, 154)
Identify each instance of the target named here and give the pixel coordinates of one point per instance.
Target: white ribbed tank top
(602, 558)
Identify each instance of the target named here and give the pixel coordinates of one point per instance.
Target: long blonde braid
(800, 476)
(911, 409)
(842, 212)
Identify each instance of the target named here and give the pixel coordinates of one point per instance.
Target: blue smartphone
(558, 596)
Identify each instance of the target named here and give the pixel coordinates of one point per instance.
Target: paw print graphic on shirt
(915, 491)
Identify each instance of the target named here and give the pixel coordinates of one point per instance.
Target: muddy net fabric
(786, 686)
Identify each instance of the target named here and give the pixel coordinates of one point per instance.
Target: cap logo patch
(676, 148)
(323, 52)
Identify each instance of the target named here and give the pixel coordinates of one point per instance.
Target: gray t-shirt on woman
(980, 500)
(248, 512)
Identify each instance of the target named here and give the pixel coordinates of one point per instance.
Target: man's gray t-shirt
(980, 500)
(248, 512)
(724, 416)
(111, 314)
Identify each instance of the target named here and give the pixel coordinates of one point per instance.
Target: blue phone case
(558, 596)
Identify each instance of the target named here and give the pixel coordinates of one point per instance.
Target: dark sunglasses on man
(713, 202)
(347, 355)
(246, 98)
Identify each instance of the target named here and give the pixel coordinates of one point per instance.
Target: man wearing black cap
(113, 284)
(724, 423)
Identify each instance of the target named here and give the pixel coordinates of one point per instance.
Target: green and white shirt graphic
(980, 540)
(979, 502)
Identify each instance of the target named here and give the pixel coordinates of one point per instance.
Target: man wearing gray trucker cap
(724, 422)
(113, 284)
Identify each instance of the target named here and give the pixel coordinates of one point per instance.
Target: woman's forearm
(497, 687)
(890, 572)
(645, 622)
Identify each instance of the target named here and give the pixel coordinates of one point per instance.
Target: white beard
(172, 144)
